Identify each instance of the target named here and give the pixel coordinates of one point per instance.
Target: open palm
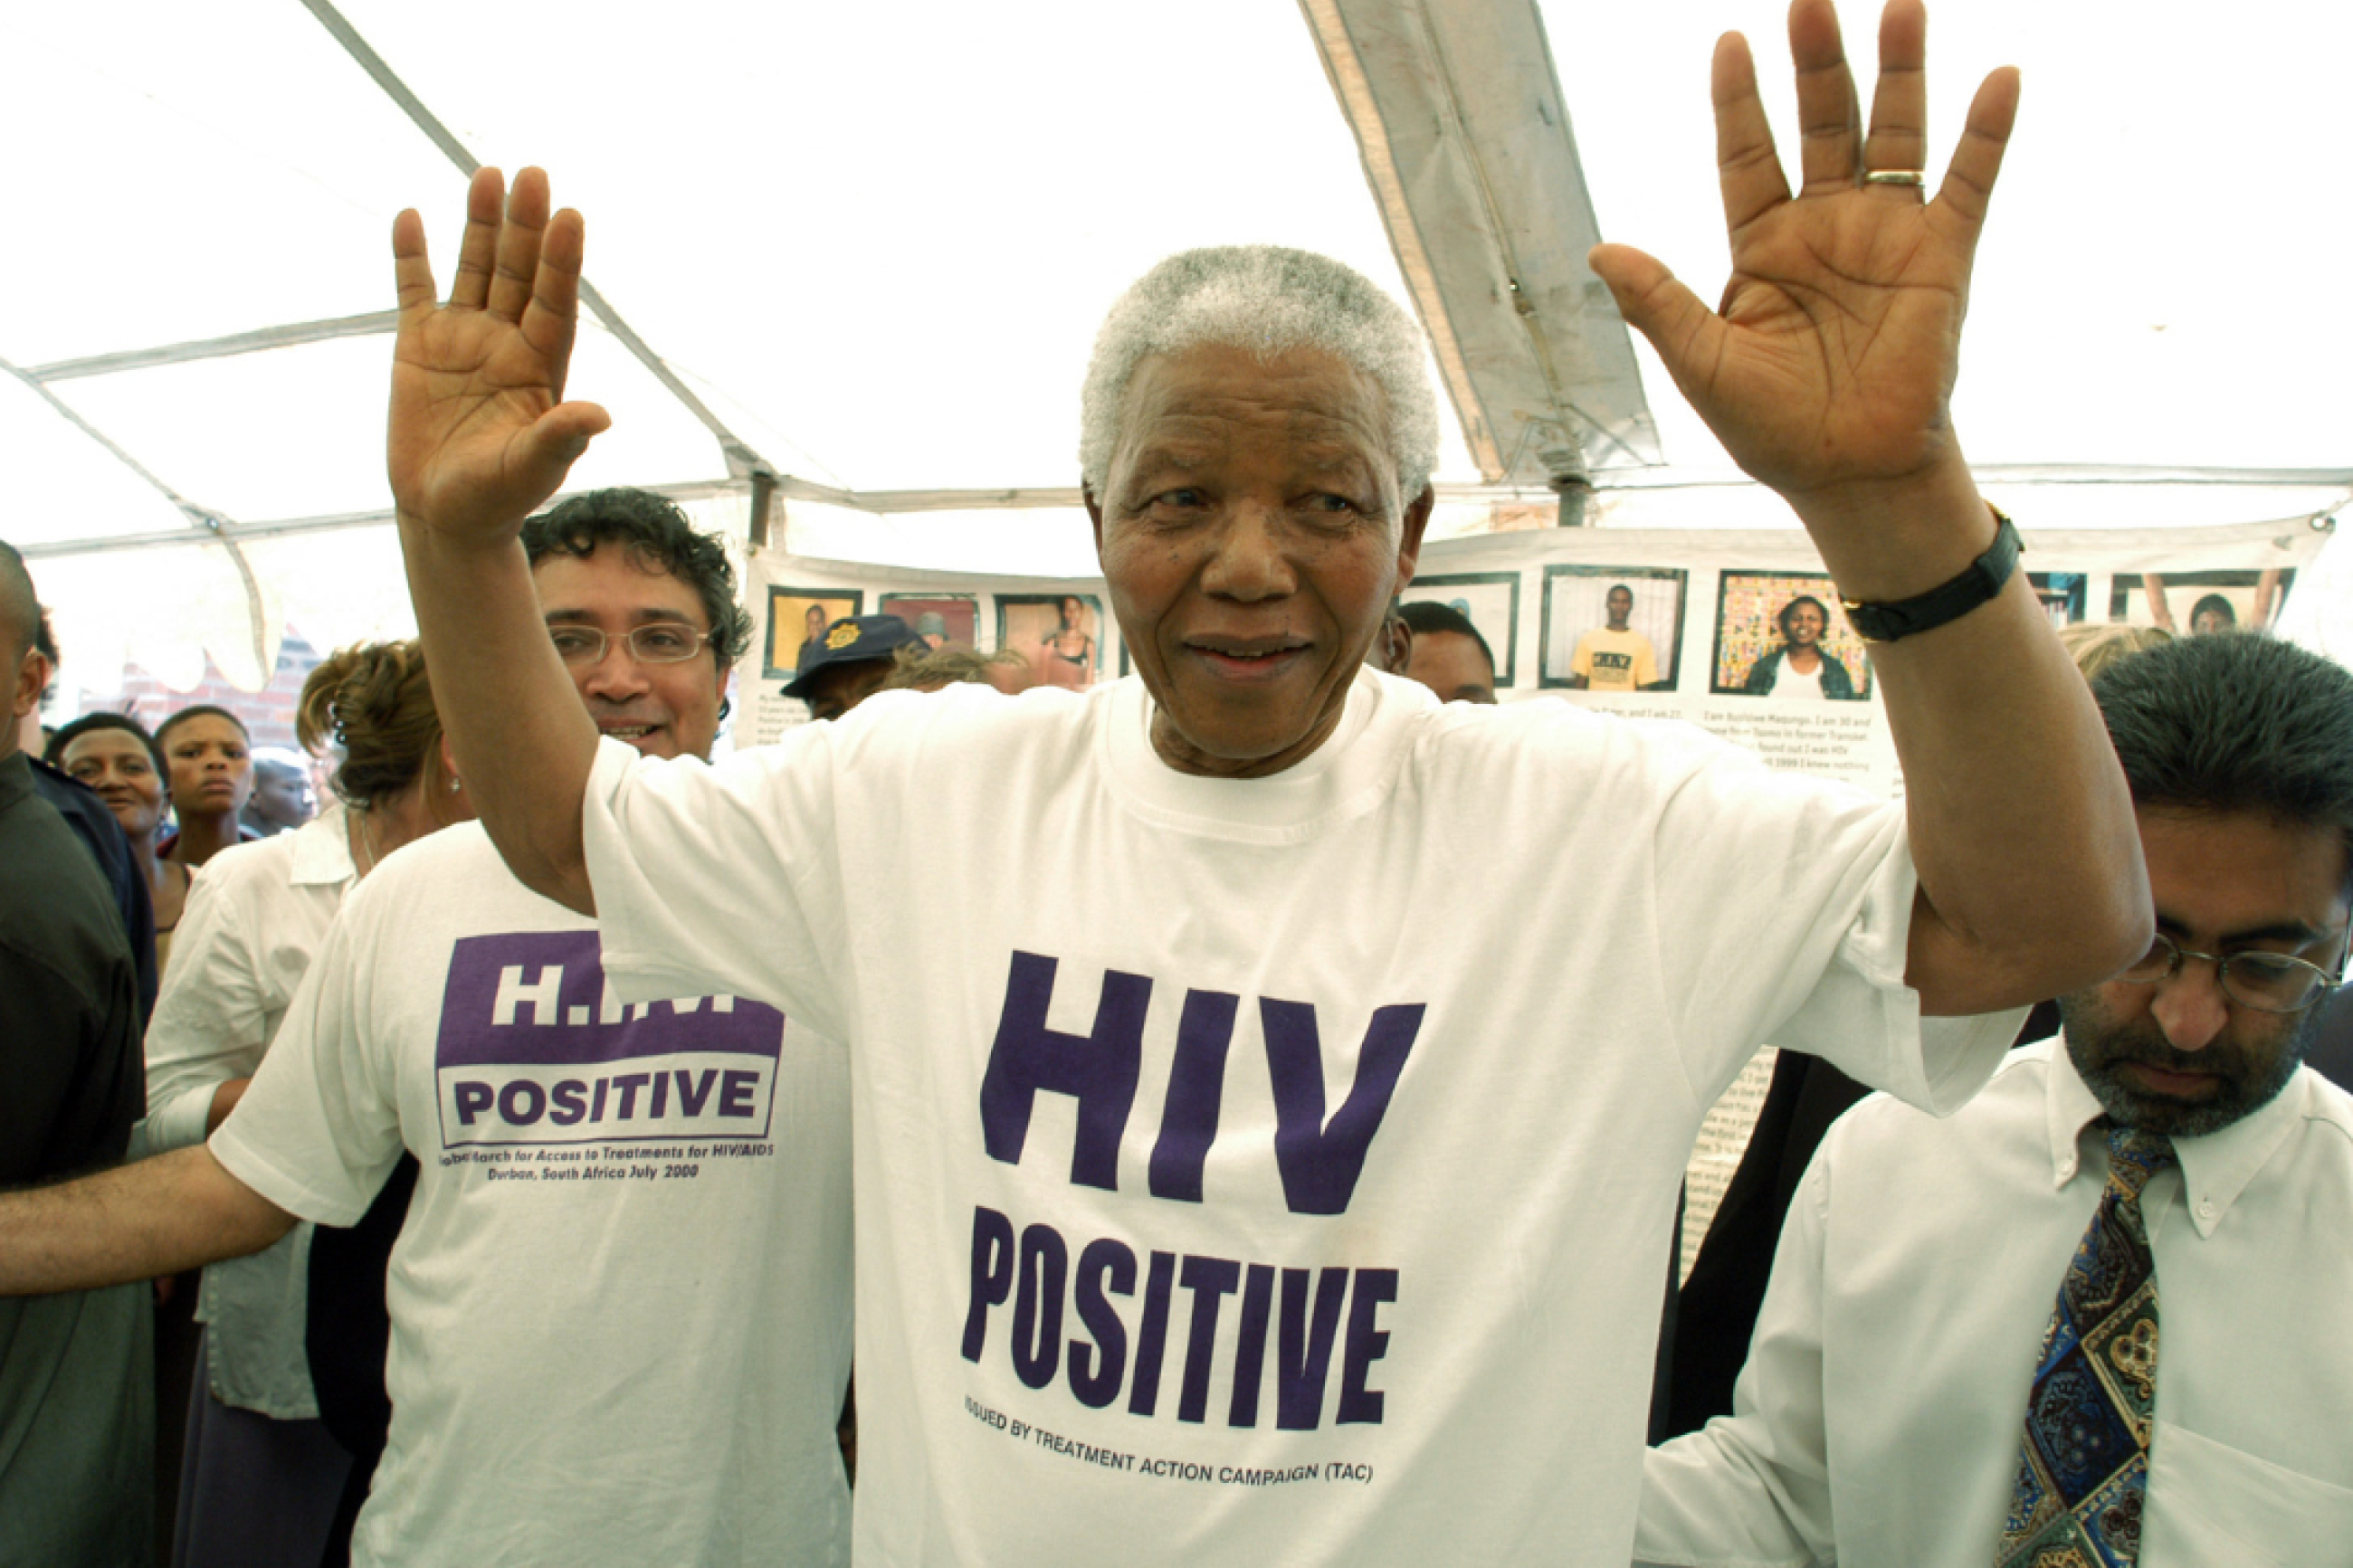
(480, 434)
(1835, 350)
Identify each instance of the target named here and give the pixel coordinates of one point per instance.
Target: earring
(453, 784)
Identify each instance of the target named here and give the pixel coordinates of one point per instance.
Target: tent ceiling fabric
(874, 242)
(890, 235)
(1468, 151)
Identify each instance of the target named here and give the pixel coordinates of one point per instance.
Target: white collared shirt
(257, 914)
(1878, 1419)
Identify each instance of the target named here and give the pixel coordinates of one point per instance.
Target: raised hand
(480, 434)
(1834, 357)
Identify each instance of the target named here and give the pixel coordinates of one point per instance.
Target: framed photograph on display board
(1491, 600)
(1770, 623)
(2191, 603)
(1612, 628)
(942, 620)
(1060, 634)
(2062, 594)
(796, 621)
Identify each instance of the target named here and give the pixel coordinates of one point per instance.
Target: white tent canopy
(861, 252)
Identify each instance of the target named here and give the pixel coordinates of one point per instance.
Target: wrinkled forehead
(2219, 873)
(1205, 402)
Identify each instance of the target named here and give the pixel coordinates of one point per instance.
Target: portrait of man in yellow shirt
(1614, 658)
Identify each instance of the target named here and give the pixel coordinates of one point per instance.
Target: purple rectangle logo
(535, 1048)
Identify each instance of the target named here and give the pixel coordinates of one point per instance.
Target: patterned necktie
(2083, 1467)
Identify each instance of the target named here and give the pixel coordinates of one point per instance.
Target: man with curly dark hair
(657, 532)
(656, 537)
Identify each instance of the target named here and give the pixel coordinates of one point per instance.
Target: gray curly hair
(1269, 299)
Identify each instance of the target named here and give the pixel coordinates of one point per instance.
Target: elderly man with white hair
(1290, 1186)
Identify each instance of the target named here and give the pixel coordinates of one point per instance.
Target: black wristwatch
(1979, 581)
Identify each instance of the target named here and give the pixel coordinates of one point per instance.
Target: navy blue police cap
(853, 641)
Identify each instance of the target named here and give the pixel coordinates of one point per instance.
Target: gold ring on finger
(1916, 178)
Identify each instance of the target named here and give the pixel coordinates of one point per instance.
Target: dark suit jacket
(2331, 1055)
(102, 836)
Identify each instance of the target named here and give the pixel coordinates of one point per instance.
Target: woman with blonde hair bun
(261, 1477)
(375, 705)
(2095, 645)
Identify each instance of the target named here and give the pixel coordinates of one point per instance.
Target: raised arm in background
(2267, 600)
(480, 436)
(1828, 375)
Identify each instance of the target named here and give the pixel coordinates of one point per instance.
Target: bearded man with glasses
(2170, 1174)
(2143, 1073)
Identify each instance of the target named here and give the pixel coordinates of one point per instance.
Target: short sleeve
(1581, 661)
(1789, 898)
(721, 878)
(319, 1129)
(1646, 664)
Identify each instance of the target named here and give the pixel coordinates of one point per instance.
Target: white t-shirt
(1789, 681)
(1275, 1171)
(1879, 1418)
(620, 1302)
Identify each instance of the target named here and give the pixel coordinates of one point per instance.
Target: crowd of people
(1254, 1094)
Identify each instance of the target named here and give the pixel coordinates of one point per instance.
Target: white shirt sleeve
(319, 1130)
(721, 878)
(212, 1021)
(1752, 1489)
(1789, 899)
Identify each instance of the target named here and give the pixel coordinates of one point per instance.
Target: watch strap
(1949, 601)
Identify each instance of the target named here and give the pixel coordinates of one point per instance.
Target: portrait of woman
(1801, 666)
(1067, 655)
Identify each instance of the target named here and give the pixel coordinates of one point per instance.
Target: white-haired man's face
(1252, 535)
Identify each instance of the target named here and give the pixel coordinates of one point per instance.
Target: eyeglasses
(2268, 982)
(582, 648)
